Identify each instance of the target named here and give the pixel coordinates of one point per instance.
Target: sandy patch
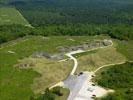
(11, 52)
(71, 39)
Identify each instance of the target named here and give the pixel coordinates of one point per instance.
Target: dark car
(93, 95)
(93, 85)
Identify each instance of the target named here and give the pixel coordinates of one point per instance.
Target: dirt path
(70, 55)
(81, 87)
(108, 65)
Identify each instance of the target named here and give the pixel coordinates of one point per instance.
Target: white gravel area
(86, 89)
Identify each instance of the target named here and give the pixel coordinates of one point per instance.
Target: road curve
(70, 55)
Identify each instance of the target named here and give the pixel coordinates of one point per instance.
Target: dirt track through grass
(15, 81)
(99, 58)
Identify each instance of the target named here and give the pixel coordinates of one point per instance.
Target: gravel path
(74, 59)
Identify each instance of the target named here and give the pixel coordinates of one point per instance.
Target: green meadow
(11, 16)
(20, 84)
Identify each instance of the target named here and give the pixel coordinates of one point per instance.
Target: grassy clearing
(51, 72)
(99, 58)
(11, 16)
(84, 53)
(15, 82)
(126, 48)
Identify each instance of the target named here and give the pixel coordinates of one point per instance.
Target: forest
(12, 32)
(47, 12)
(71, 17)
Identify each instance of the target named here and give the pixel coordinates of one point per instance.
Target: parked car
(93, 95)
(93, 85)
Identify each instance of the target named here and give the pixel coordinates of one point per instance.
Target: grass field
(126, 48)
(11, 16)
(51, 72)
(16, 83)
(98, 58)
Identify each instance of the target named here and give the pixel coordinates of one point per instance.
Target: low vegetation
(98, 58)
(51, 72)
(17, 82)
(119, 78)
(10, 15)
(126, 48)
(57, 93)
(84, 53)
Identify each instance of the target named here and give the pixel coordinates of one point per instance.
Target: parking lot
(81, 87)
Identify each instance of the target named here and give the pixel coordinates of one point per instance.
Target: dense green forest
(119, 78)
(71, 17)
(12, 32)
(45, 12)
(121, 32)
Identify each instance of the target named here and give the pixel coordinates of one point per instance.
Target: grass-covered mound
(119, 78)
